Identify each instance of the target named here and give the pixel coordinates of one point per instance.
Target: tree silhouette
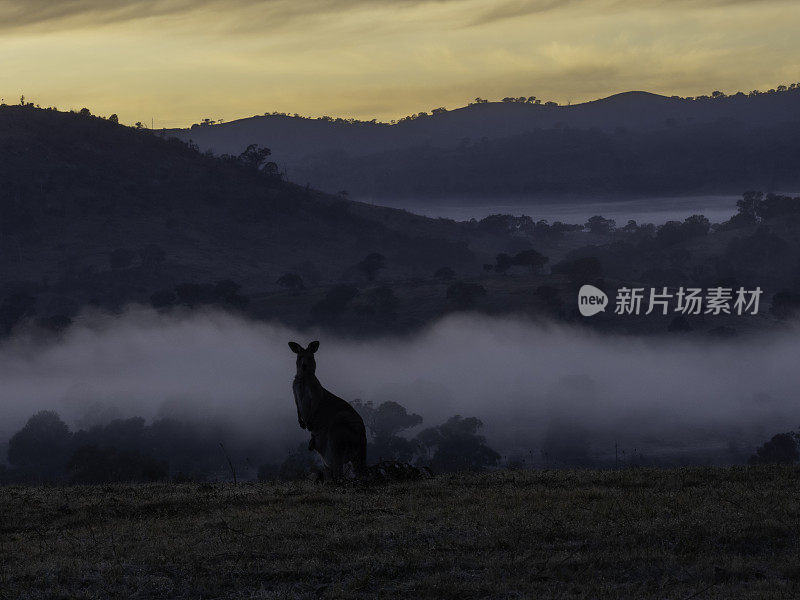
(674, 232)
(455, 445)
(600, 225)
(530, 258)
(291, 281)
(255, 157)
(503, 262)
(42, 443)
(781, 449)
(384, 424)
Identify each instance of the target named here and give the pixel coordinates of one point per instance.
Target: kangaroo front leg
(335, 472)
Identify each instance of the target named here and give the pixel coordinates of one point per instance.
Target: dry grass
(702, 533)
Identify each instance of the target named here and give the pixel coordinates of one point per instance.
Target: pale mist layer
(534, 387)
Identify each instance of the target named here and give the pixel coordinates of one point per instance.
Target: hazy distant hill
(91, 211)
(710, 158)
(424, 155)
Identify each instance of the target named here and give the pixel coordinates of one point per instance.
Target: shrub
(600, 225)
(530, 258)
(782, 449)
(41, 443)
(455, 445)
(384, 424)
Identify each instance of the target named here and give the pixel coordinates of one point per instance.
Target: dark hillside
(94, 211)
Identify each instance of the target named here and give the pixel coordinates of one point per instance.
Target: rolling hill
(95, 212)
(423, 155)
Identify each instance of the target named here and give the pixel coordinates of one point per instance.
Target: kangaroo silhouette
(337, 430)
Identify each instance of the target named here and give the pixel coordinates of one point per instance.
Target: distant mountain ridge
(308, 149)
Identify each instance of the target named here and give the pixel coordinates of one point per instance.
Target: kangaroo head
(306, 365)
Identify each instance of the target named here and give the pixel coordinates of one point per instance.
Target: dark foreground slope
(91, 211)
(711, 533)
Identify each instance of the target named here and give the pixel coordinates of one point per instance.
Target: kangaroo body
(337, 430)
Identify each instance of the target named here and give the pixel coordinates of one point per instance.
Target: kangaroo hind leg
(333, 464)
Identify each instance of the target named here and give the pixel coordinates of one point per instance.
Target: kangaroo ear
(296, 348)
(313, 347)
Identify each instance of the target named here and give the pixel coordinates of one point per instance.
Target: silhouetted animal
(337, 430)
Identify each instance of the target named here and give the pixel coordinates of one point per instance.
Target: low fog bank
(575, 209)
(543, 393)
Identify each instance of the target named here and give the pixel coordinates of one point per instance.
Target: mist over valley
(546, 394)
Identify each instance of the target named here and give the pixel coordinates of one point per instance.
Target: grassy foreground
(684, 533)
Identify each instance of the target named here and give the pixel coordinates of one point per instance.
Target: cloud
(74, 13)
(518, 8)
(510, 9)
(15, 13)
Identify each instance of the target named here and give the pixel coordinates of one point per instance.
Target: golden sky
(177, 61)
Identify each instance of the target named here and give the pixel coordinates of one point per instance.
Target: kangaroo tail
(361, 457)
